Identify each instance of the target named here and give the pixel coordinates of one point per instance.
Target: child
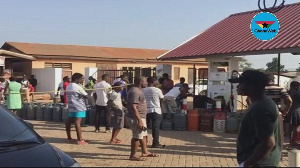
(114, 104)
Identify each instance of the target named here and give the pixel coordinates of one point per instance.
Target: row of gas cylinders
(203, 120)
(51, 112)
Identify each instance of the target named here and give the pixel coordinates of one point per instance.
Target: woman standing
(13, 89)
(294, 114)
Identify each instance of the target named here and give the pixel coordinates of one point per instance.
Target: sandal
(83, 142)
(115, 142)
(71, 140)
(150, 155)
(137, 159)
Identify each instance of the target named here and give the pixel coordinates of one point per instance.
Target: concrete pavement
(184, 148)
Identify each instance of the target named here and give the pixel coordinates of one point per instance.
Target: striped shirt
(153, 96)
(277, 94)
(75, 99)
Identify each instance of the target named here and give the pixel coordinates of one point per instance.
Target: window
(64, 66)
(176, 73)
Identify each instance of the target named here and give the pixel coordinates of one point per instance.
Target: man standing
(33, 81)
(153, 96)
(259, 138)
(124, 80)
(76, 107)
(100, 94)
(114, 105)
(137, 110)
(167, 84)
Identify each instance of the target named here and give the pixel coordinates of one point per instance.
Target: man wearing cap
(169, 104)
(259, 139)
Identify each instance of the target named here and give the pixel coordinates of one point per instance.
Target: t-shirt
(102, 89)
(136, 96)
(116, 98)
(61, 86)
(153, 96)
(75, 100)
(173, 92)
(25, 83)
(124, 90)
(277, 94)
(260, 121)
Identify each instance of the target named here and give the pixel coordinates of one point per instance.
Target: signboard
(2, 61)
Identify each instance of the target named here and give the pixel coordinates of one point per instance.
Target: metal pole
(278, 70)
(194, 84)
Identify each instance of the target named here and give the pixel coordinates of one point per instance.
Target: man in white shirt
(153, 96)
(169, 104)
(101, 96)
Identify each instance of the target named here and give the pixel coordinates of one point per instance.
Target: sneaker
(83, 142)
(97, 130)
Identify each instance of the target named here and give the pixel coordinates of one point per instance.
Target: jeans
(62, 99)
(99, 110)
(155, 119)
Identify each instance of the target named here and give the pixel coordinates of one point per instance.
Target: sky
(153, 24)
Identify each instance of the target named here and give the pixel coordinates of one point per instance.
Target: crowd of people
(143, 103)
(260, 138)
(16, 91)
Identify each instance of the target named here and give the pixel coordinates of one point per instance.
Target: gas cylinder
(64, 115)
(219, 122)
(56, 99)
(166, 124)
(179, 120)
(39, 112)
(31, 112)
(23, 111)
(57, 113)
(233, 122)
(48, 112)
(206, 121)
(193, 120)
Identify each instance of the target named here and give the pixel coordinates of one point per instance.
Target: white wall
(90, 71)
(48, 79)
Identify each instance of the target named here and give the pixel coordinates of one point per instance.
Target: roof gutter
(117, 59)
(9, 53)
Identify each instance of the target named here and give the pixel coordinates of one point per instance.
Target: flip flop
(137, 159)
(150, 155)
(115, 142)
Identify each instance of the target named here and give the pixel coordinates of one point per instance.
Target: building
(75, 58)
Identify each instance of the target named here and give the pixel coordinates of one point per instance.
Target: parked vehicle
(200, 85)
(21, 146)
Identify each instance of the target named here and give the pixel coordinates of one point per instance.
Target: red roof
(232, 37)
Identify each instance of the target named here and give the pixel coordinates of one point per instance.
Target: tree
(244, 65)
(273, 65)
(298, 69)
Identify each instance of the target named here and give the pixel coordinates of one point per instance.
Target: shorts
(118, 119)
(136, 132)
(80, 114)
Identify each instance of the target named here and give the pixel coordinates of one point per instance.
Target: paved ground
(184, 148)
